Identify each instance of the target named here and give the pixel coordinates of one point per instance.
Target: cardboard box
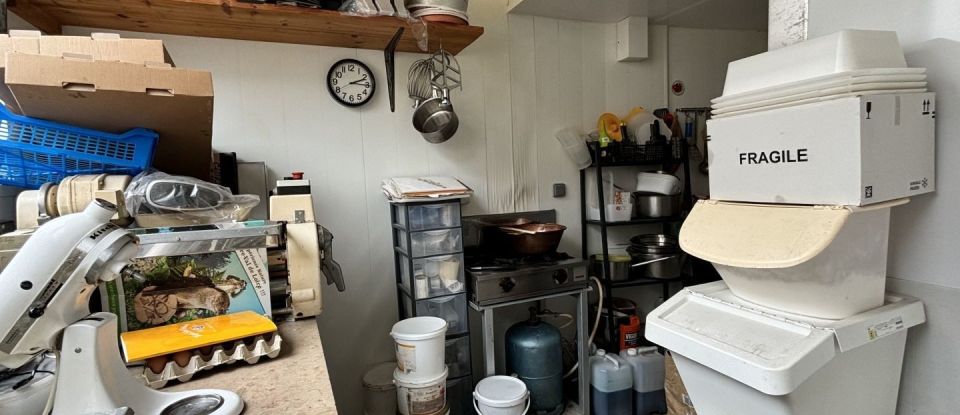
(678, 400)
(175, 289)
(849, 151)
(118, 96)
(98, 46)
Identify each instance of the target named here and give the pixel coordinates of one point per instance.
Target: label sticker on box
(885, 328)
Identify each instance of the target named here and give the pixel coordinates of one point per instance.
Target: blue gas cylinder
(534, 353)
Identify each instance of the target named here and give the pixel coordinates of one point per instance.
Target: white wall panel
(523, 95)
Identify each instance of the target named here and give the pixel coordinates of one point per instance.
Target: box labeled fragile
(851, 151)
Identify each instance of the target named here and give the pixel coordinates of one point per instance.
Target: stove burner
(495, 263)
(494, 279)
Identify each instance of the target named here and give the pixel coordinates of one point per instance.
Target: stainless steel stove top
(494, 279)
(492, 283)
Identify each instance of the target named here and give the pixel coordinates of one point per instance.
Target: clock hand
(357, 82)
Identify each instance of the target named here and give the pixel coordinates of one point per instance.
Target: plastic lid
(380, 377)
(649, 349)
(419, 328)
(763, 236)
(839, 52)
(772, 352)
(501, 391)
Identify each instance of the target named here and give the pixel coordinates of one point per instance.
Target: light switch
(559, 190)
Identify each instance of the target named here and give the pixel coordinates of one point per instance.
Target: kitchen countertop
(295, 382)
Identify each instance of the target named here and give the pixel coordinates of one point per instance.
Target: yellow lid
(144, 344)
(609, 125)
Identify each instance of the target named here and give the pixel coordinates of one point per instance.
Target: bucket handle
(476, 408)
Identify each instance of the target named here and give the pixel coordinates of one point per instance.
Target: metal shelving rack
(665, 159)
(458, 386)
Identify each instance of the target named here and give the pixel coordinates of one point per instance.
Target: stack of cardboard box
(111, 84)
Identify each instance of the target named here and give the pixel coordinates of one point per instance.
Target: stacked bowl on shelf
(439, 11)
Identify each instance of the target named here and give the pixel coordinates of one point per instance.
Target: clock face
(351, 82)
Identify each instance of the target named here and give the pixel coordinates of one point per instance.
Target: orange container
(630, 334)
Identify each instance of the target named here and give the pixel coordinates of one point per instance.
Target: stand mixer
(44, 296)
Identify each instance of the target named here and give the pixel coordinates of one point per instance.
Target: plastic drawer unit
(452, 308)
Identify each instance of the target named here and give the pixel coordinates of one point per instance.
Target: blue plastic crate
(33, 151)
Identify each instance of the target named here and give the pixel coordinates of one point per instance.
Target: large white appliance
(739, 358)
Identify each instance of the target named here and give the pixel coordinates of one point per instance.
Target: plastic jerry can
(648, 376)
(611, 385)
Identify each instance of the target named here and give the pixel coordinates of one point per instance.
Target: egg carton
(268, 346)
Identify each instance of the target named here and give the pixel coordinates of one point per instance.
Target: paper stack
(405, 189)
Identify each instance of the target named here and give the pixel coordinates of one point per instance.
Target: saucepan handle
(653, 260)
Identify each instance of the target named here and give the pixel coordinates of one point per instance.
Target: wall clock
(351, 82)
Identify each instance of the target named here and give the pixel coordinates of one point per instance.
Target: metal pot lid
(654, 244)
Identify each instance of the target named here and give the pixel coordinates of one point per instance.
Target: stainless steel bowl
(435, 120)
(655, 205)
(619, 266)
(651, 247)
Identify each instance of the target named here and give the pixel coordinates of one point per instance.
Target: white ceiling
(710, 14)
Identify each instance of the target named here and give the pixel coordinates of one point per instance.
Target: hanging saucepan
(435, 119)
(656, 256)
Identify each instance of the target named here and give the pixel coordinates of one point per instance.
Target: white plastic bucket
(501, 395)
(421, 397)
(420, 347)
(379, 391)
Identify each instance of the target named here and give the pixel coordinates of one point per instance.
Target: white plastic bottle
(611, 385)
(648, 374)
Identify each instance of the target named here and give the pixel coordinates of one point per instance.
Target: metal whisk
(418, 81)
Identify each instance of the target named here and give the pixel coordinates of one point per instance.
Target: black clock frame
(373, 82)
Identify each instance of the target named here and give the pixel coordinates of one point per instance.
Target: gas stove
(496, 278)
(502, 280)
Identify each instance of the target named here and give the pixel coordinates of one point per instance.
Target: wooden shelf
(232, 19)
